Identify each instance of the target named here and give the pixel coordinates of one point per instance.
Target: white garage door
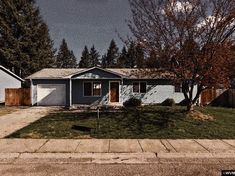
(51, 94)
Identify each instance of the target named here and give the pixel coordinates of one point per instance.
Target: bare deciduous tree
(193, 36)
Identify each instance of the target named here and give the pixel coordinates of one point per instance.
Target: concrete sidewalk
(120, 150)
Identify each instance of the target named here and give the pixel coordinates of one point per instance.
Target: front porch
(95, 87)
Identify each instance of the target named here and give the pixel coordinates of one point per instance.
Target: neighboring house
(8, 80)
(68, 87)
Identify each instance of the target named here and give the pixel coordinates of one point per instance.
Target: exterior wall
(92, 75)
(52, 81)
(157, 91)
(7, 81)
(78, 95)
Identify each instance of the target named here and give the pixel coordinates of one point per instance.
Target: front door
(114, 92)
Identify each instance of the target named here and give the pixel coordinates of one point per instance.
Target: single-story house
(8, 80)
(97, 86)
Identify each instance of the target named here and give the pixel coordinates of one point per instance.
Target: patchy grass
(150, 122)
(6, 110)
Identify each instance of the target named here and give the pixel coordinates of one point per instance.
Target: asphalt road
(167, 167)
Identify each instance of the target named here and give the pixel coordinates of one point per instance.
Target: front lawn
(152, 122)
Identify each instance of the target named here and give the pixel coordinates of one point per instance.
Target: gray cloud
(85, 22)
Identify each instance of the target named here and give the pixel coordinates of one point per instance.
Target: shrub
(132, 102)
(168, 102)
(183, 103)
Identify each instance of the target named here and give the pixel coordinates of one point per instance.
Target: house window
(92, 89)
(87, 89)
(143, 87)
(136, 87)
(96, 89)
(178, 88)
(139, 87)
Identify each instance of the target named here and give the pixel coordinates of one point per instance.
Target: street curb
(196, 155)
(109, 158)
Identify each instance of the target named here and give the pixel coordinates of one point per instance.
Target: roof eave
(11, 73)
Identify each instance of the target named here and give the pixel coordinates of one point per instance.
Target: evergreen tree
(123, 59)
(112, 55)
(94, 57)
(25, 44)
(131, 54)
(74, 59)
(85, 61)
(152, 60)
(134, 56)
(65, 57)
(140, 61)
(103, 61)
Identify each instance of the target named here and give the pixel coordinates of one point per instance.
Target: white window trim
(92, 87)
(139, 87)
(100, 88)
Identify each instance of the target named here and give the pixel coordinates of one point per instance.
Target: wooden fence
(207, 96)
(231, 98)
(18, 97)
(218, 97)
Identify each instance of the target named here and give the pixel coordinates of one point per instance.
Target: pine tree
(140, 60)
(85, 61)
(123, 59)
(152, 60)
(25, 44)
(94, 57)
(131, 54)
(73, 59)
(103, 61)
(112, 55)
(65, 57)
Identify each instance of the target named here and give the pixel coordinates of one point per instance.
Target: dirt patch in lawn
(200, 116)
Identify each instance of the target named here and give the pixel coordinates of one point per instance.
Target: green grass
(151, 122)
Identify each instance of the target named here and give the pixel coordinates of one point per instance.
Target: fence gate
(18, 97)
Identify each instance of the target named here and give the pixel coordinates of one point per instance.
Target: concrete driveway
(12, 122)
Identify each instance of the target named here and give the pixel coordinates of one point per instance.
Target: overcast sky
(86, 22)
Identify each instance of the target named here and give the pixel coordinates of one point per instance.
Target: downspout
(31, 92)
(121, 96)
(70, 92)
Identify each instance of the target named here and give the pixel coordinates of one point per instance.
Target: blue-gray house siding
(78, 92)
(156, 92)
(94, 75)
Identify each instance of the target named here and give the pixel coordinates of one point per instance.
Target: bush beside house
(168, 102)
(132, 102)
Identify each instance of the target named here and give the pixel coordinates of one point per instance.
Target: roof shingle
(55, 73)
